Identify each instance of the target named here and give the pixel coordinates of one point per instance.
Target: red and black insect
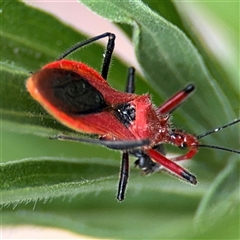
(80, 98)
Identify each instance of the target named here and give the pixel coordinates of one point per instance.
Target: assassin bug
(80, 98)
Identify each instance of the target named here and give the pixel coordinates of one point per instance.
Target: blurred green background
(157, 206)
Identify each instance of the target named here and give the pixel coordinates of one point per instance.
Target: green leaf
(45, 178)
(38, 190)
(220, 203)
(72, 185)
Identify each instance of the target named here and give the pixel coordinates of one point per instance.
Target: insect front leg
(172, 103)
(172, 166)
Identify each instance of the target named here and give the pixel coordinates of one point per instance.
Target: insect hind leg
(107, 55)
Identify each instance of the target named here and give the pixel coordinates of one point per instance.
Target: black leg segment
(123, 179)
(130, 86)
(124, 169)
(107, 54)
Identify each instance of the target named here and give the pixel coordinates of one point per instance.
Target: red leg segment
(175, 100)
(172, 166)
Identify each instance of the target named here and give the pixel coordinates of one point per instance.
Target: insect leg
(145, 163)
(117, 145)
(123, 178)
(108, 54)
(124, 169)
(172, 103)
(172, 166)
(130, 86)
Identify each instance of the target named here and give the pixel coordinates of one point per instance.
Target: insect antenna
(219, 148)
(216, 130)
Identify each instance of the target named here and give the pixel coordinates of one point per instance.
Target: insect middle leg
(124, 169)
